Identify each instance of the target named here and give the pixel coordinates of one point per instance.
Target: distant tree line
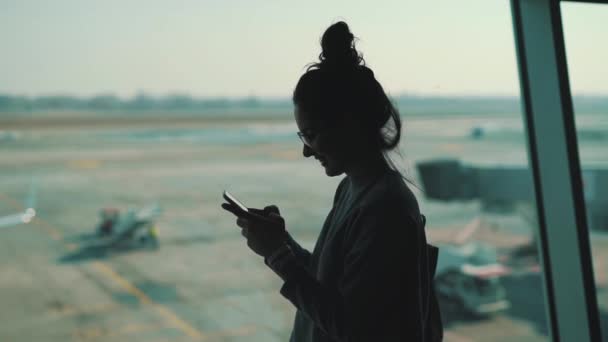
(138, 102)
(142, 102)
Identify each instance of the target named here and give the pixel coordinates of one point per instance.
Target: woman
(368, 278)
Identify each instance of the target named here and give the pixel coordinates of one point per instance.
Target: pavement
(203, 283)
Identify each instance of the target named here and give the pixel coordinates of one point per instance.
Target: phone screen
(235, 201)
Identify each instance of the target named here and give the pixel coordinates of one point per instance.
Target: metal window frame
(570, 293)
(588, 1)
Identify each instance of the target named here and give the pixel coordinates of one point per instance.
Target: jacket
(369, 277)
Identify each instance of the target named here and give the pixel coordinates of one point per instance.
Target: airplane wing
(149, 212)
(15, 219)
(25, 216)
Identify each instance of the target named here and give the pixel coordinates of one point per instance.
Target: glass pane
(122, 123)
(585, 25)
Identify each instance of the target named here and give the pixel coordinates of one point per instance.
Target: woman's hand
(264, 229)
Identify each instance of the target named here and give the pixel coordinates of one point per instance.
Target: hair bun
(339, 47)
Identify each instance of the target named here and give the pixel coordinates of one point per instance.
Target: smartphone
(244, 211)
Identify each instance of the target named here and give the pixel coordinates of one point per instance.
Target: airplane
(24, 216)
(119, 233)
(135, 226)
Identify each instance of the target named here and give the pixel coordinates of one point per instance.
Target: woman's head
(343, 114)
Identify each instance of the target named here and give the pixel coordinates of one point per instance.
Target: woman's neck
(366, 170)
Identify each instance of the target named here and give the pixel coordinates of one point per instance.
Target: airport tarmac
(203, 283)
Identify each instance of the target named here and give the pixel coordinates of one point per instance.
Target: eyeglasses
(306, 138)
(311, 134)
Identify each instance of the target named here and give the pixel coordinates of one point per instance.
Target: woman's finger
(242, 222)
(228, 207)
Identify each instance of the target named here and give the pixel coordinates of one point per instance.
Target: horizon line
(268, 97)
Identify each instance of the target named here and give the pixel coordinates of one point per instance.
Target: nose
(307, 151)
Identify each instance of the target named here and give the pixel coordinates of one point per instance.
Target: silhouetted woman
(367, 278)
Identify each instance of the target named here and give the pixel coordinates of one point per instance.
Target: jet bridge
(500, 188)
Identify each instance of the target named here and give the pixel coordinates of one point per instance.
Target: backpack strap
(433, 327)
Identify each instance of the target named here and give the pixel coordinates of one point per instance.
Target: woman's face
(327, 143)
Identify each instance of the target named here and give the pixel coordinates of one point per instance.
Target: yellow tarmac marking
(453, 337)
(54, 233)
(179, 323)
(88, 334)
(84, 164)
(128, 329)
(450, 148)
(89, 310)
(246, 330)
(137, 328)
(287, 155)
(169, 315)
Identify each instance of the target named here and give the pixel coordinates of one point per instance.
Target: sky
(234, 48)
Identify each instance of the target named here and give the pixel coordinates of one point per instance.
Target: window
(550, 124)
(144, 113)
(584, 24)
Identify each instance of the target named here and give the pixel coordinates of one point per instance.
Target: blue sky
(260, 47)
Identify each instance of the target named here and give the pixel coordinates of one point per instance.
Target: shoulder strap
(433, 330)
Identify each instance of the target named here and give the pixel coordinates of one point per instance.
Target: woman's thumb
(275, 217)
(272, 209)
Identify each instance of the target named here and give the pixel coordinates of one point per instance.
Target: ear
(354, 129)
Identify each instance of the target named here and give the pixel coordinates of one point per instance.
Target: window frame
(570, 291)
